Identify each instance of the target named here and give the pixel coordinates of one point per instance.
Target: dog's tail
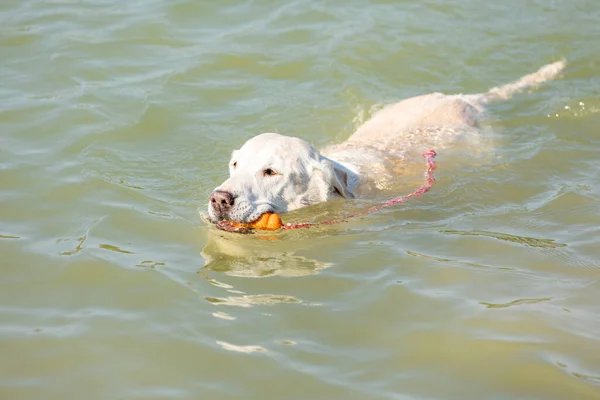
(546, 73)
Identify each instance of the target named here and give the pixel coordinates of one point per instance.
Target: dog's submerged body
(276, 173)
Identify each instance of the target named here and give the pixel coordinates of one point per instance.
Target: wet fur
(369, 160)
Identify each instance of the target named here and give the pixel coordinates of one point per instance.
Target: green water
(117, 119)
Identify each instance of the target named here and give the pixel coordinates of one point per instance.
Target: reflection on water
(251, 300)
(241, 349)
(258, 255)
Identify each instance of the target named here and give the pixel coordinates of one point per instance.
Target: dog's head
(276, 173)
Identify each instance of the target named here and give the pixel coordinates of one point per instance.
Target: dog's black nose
(221, 201)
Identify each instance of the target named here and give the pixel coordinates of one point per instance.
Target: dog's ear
(339, 177)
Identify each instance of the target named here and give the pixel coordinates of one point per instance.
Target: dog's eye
(234, 164)
(269, 172)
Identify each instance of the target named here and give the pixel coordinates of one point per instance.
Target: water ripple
(524, 240)
(517, 302)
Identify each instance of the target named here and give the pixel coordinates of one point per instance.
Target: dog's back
(436, 120)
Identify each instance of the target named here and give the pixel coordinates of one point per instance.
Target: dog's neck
(369, 169)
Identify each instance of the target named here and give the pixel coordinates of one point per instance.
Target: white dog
(276, 173)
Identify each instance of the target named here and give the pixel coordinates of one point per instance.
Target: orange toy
(266, 222)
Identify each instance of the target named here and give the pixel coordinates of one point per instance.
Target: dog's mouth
(268, 221)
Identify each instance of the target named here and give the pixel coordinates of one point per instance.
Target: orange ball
(267, 222)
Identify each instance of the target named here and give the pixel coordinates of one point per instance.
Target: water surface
(117, 119)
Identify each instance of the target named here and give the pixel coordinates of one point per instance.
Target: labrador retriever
(276, 173)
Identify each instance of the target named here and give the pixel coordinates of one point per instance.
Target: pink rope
(425, 187)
